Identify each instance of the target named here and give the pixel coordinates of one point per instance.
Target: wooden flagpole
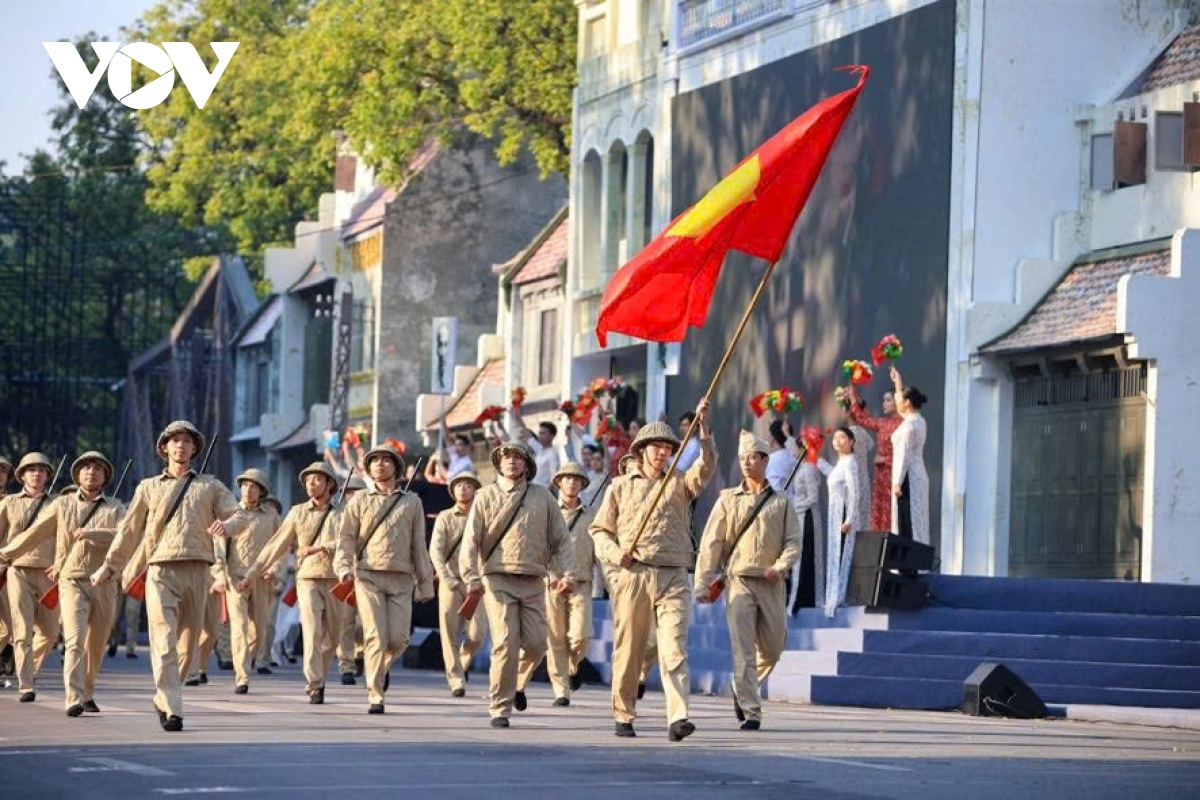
(712, 386)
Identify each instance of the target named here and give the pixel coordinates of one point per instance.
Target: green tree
(392, 74)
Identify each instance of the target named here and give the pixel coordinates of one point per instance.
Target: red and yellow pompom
(783, 400)
(857, 372)
(518, 397)
(813, 440)
(488, 414)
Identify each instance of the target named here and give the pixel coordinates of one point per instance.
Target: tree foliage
(392, 74)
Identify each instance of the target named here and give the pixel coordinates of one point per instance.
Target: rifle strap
(387, 512)
(507, 525)
(175, 504)
(754, 512)
(320, 525)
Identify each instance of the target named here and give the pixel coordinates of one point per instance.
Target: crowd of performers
(532, 548)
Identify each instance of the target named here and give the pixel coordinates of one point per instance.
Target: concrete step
(1085, 596)
(1136, 626)
(1000, 646)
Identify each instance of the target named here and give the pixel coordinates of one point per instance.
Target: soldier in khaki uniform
(381, 548)
(461, 639)
(653, 585)
(752, 561)
(5, 631)
(311, 529)
(214, 636)
(87, 611)
(568, 616)
(350, 647)
(176, 557)
(34, 627)
(247, 609)
(515, 537)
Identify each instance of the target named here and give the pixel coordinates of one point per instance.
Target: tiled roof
(1082, 307)
(466, 407)
(546, 260)
(1179, 63)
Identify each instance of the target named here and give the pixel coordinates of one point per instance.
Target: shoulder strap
(33, 513)
(96, 505)
(507, 525)
(578, 516)
(450, 553)
(321, 524)
(387, 512)
(754, 512)
(175, 503)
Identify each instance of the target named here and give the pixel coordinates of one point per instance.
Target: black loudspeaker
(874, 577)
(889, 551)
(993, 690)
(426, 655)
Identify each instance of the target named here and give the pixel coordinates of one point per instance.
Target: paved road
(273, 744)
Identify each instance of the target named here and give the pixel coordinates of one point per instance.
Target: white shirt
(547, 460)
(459, 465)
(689, 454)
(779, 468)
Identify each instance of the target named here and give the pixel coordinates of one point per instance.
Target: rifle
(292, 595)
(37, 509)
(599, 491)
(50, 598)
(345, 591)
(137, 588)
(717, 586)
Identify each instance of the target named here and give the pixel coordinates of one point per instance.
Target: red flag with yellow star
(669, 284)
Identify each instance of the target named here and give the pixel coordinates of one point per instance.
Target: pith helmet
(257, 476)
(463, 476)
(573, 469)
(30, 460)
(625, 461)
(6, 464)
(319, 468)
(654, 432)
(273, 503)
(180, 426)
(749, 443)
(520, 449)
(389, 451)
(92, 455)
(356, 484)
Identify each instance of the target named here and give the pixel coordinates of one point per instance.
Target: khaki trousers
(347, 643)
(568, 633)
(5, 620)
(210, 635)
(87, 618)
(34, 627)
(648, 596)
(385, 602)
(461, 638)
(266, 634)
(247, 625)
(131, 609)
(755, 610)
(175, 607)
(516, 611)
(322, 619)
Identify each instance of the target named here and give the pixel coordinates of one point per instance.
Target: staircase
(1072, 641)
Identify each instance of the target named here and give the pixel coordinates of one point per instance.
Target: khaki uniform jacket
(667, 540)
(299, 529)
(236, 555)
(577, 521)
(446, 547)
(774, 539)
(72, 559)
(14, 510)
(397, 546)
(536, 544)
(185, 537)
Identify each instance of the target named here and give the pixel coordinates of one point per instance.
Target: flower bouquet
(783, 400)
(858, 372)
(888, 349)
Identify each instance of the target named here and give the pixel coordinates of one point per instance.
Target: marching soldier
(169, 524)
(214, 635)
(381, 549)
(568, 616)
(653, 582)
(515, 536)
(267, 639)
(751, 541)
(311, 528)
(6, 665)
(34, 627)
(247, 609)
(350, 647)
(80, 526)
(460, 638)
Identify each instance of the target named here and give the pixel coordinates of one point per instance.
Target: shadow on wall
(869, 254)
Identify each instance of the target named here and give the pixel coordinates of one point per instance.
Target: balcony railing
(701, 20)
(626, 65)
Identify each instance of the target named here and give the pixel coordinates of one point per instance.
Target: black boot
(317, 698)
(625, 730)
(348, 679)
(75, 711)
(91, 707)
(520, 702)
(680, 730)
